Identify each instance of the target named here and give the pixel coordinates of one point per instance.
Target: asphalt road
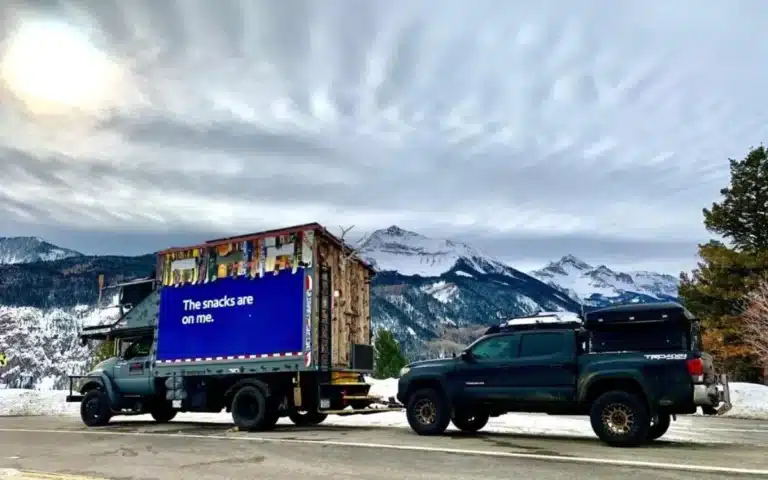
(183, 450)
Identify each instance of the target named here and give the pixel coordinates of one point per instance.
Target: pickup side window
(140, 348)
(503, 347)
(542, 344)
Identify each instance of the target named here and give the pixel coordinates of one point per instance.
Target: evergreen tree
(389, 359)
(726, 274)
(104, 351)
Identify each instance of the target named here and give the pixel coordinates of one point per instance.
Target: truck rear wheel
(659, 426)
(250, 409)
(304, 419)
(427, 412)
(94, 408)
(620, 419)
(163, 412)
(470, 420)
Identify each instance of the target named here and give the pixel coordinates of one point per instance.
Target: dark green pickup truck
(630, 368)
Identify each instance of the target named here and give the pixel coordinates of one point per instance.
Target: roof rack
(540, 321)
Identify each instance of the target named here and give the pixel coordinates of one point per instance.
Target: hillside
(434, 295)
(14, 250)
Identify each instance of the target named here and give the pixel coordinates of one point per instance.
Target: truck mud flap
(727, 406)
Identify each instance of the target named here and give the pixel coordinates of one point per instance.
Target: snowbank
(749, 401)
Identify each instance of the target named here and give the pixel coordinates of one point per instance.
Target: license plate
(325, 403)
(176, 404)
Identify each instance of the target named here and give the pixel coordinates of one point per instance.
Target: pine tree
(105, 350)
(717, 289)
(389, 359)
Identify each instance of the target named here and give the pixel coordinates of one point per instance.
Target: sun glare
(52, 66)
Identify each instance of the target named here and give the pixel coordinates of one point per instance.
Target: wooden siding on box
(351, 318)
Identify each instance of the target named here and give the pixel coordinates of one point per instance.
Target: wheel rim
(92, 409)
(426, 412)
(247, 408)
(618, 419)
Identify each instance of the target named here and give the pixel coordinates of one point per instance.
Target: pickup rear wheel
(620, 419)
(659, 426)
(250, 409)
(427, 412)
(94, 408)
(470, 420)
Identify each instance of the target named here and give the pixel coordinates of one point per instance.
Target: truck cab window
(139, 348)
(496, 348)
(541, 344)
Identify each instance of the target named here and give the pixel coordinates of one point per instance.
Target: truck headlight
(404, 371)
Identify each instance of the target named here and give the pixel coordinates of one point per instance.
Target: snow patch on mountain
(15, 250)
(593, 285)
(409, 253)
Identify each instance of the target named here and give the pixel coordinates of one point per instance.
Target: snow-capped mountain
(31, 249)
(435, 295)
(600, 285)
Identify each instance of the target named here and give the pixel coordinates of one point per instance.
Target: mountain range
(435, 296)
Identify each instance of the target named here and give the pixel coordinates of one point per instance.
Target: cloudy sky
(530, 129)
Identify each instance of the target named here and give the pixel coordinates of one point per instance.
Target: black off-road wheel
(659, 425)
(620, 419)
(251, 410)
(94, 408)
(428, 412)
(470, 420)
(163, 412)
(306, 418)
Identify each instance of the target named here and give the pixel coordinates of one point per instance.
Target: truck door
(133, 372)
(484, 373)
(546, 370)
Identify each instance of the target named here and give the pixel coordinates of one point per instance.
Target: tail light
(696, 367)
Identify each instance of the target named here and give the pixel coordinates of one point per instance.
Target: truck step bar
(365, 411)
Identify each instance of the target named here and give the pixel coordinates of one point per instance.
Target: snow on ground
(749, 401)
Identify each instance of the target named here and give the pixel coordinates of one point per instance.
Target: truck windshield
(644, 337)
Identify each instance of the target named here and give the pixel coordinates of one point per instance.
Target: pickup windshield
(656, 337)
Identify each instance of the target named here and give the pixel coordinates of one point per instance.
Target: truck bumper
(716, 398)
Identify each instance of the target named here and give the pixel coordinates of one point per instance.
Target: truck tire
(95, 410)
(620, 419)
(305, 419)
(659, 426)
(163, 412)
(249, 409)
(470, 420)
(428, 412)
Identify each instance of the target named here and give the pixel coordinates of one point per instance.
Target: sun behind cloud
(53, 68)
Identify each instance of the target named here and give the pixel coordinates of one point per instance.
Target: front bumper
(714, 398)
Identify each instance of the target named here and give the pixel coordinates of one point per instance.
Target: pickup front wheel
(428, 412)
(620, 419)
(470, 420)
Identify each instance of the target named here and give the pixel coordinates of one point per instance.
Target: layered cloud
(607, 122)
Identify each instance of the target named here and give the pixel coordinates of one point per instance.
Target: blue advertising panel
(233, 317)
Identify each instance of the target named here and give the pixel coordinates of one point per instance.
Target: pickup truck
(630, 368)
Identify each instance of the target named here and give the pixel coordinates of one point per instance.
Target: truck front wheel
(620, 419)
(94, 409)
(428, 412)
(250, 409)
(305, 419)
(469, 420)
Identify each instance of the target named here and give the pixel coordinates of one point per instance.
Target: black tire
(94, 408)
(659, 426)
(620, 419)
(250, 409)
(470, 420)
(428, 412)
(163, 412)
(304, 419)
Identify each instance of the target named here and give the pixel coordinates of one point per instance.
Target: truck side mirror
(466, 355)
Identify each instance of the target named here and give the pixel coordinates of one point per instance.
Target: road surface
(184, 450)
